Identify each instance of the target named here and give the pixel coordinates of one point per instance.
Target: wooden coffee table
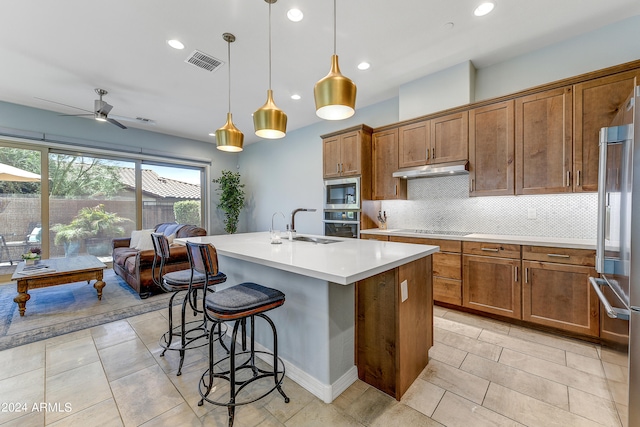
(59, 272)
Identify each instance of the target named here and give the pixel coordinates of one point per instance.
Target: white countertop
(561, 242)
(344, 262)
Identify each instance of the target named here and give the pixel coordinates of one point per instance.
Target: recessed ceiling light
(176, 44)
(295, 97)
(364, 66)
(295, 15)
(484, 8)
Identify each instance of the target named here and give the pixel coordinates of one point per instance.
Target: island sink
(315, 240)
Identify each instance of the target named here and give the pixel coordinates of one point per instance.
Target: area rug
(68, 308)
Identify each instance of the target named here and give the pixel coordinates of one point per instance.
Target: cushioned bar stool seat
(239, 303)
(189, 335)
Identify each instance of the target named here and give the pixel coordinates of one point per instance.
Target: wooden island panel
(393, 336)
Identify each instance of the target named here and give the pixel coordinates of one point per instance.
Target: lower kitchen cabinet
(560, 296)
(447, 267)
(492, 285)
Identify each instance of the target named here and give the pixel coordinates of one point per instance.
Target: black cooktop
(441, 232)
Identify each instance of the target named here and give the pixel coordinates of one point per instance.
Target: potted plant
(231, 199)
(94, 224)
(32, 256)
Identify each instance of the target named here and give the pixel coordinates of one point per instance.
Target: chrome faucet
(293, 217)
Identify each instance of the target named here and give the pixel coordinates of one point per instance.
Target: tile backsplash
(444, 204)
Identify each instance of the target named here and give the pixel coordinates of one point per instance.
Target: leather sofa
(134, 265)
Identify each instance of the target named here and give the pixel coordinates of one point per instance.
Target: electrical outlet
(531, 213)
(404, 290)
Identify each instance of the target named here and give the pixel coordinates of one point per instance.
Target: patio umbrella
(9, 173)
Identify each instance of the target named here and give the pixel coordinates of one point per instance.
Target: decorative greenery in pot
(231, 198)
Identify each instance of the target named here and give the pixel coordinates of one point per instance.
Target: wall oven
(342, 223)
(342, 194)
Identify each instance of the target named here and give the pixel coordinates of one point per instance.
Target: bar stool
(192, 334)
(241, 302)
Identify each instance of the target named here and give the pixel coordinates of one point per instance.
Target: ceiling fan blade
(75, 115)
(60, 103)
(117, 123)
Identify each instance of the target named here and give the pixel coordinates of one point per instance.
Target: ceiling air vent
(203, 60)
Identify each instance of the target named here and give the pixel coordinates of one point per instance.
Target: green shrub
(187, 212)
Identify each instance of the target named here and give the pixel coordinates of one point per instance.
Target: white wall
(604, 47)
(439, 91)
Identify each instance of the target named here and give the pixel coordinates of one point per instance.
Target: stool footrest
(258, 374)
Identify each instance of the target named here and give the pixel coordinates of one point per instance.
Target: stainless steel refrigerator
(619, 233)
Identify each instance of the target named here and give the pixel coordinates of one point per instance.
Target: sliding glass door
(20, 205)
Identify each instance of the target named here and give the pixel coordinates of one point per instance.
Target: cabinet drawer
(445, 245)
(447, 265)
(447, 290)
(584, 257)
(491, 249)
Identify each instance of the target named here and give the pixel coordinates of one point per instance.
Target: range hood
(431, 171)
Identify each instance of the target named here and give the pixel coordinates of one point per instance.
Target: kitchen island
(354, 308)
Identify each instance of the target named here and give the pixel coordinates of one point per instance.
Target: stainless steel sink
(318, 240)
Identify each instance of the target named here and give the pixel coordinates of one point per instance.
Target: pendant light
(228, 137)
(269, 121)
(335, 94)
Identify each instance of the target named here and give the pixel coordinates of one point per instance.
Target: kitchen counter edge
(561, 242)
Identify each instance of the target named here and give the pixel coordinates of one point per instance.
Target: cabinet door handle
(428, 151)
(433, 153)
(490, 249)
(337, 167)
(578, 178)
(515, 272)
(526, 275)
(568, 178)
(558, 256)
(396, 189)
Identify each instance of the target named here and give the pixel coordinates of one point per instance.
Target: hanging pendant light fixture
(335, 94)
(228, 137)
(269, 121)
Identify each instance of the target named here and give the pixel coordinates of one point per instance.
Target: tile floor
(481, 373)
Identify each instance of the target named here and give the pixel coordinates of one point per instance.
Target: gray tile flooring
(481, 373)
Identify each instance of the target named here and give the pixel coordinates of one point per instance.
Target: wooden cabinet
(490, 282)
(447, 267)
(439, 140)
(374, 237)
(450, 138)
(492, 150)
(385, 163)
(346, 153)
(544, 142)
(394, 329)
(556, 291)
(596, 105)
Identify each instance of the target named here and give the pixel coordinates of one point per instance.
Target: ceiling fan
(100, 111)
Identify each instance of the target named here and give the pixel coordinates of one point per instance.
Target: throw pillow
(145, 243)
(136, 236)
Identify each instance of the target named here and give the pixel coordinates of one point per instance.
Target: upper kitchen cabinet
(385, 163)
(346, 153)
(439, 140)
(596, 105)
(492, 150)
(544, 142)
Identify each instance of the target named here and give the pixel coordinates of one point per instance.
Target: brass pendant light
(228, 137)
(335, 94)
(269, 121)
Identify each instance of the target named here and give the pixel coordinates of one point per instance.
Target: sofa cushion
(145, 243)
(191, 231)
(168, 228)
(121, 254)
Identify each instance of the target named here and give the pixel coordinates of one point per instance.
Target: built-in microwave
(342, 193)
